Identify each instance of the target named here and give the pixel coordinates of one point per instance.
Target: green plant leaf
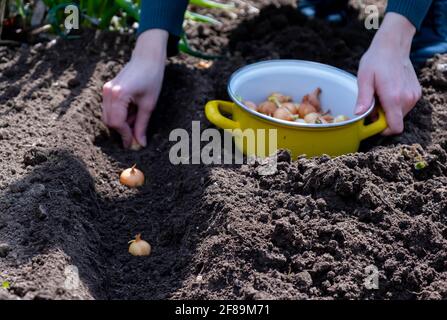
(184, 47)
(212, 4)
(201, 18)
(420, 165)
(20, 8)
(5, 285)
(109, 10)
(130, 8)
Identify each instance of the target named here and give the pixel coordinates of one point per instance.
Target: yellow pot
(260, 135)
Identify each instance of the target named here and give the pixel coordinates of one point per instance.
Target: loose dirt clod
(4, 250)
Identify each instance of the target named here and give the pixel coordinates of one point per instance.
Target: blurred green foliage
(118, 15)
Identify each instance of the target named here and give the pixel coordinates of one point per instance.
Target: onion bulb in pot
(293, 108)
(132, 177)
(251, 105)
(267, 108)
(327, 118)
(306, 107)
(312, 117)
(314, 99)
(279, 97)
(340, 118)
(283, 114)
(139, 247)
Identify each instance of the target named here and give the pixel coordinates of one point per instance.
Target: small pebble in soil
(442, 67)
(283, 156)
(304, 279)
(34, 157)
(330, 275)
(37, 190)
(4, 135)
(19, 186)
(264, 217)
(42, 212)
(4, 250)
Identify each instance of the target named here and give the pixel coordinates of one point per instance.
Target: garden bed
(216, 231)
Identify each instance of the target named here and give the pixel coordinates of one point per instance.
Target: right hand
(386, 71)
(139, 83)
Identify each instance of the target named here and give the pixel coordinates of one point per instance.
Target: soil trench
(310, 231)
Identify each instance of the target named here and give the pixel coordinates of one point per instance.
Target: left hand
(386, 71)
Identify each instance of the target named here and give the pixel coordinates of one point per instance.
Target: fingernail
(143, 141)
(360, 109)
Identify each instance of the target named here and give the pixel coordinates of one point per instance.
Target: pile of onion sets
(283, 107)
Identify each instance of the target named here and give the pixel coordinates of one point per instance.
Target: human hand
(139, 83)
(386, 71)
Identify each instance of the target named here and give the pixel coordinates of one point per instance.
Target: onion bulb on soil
(267, 108)
(139, 247)
(251, 105)
(283, 114)
(132, 177)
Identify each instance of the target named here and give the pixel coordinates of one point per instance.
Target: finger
(131, 119)
(126, 134)
(117, 115)
(132, 110)
(103, 114)
(395, 119)
(365, 96)
(141, 123)
(106, 100)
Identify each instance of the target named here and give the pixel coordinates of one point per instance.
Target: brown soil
(307, 232)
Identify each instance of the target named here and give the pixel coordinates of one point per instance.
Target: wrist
(152, 44)
(396, 33)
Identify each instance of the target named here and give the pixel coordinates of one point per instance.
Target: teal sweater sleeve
(413, 10)
(166, 15)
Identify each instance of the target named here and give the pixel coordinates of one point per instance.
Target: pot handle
(214, 115)
(374, 128)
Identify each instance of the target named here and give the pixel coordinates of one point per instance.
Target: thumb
(366, 92)
(141, 123)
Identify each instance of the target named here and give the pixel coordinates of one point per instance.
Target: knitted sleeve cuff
(414, 10)
(166, 15)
